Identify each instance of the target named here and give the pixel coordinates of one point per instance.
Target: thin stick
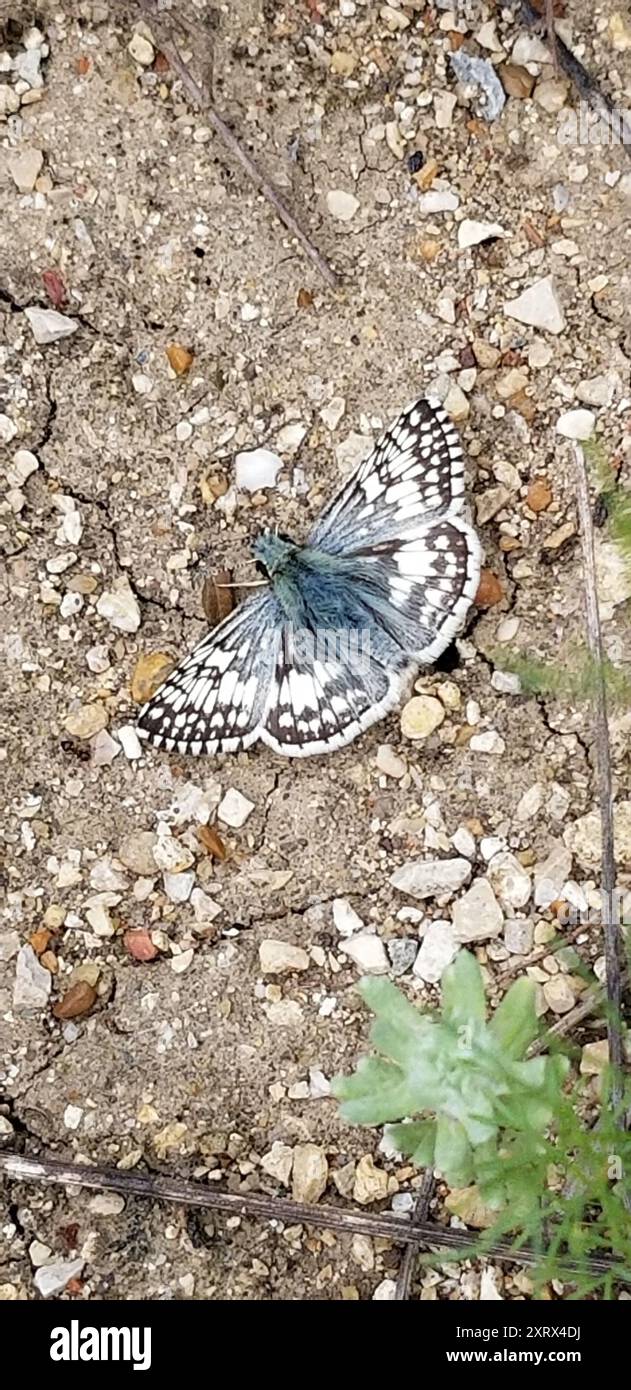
(53, 1171)
(420, 1214)
(591, 1001)
(200, 95)
(585, 84)
(611, 928)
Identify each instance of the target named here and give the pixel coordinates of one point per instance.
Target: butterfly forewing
(214, 701)
(414, 473)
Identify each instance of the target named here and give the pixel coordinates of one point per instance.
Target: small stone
(472, 233)
(490, 502)
(9, 945)
(86, 721)
(402, 952)
(594, 1057)
(7, 1131)
(39, 1253)
(485, 354)
(107, 1204)
(287, 1013)
(552, 874)
(438, 948)
(394, 18)
(181, 962)
(509, 879)
(169, 1138)
(345, 919)
(138, 942)
(73, 1115)
(8, 430)
(560, 536)
(136, 853)
(437, 200)
(489, 590)
(538, 307)
(310, 1173)
(332, 412)
(130, 742)
(290, 437)
(141, 50)
(179, 358)
(172, 855)
(343, 64)
(26, 67)
(531, 802)
(516, 81)
(119, 606)
(178, 886)
(385, 1292)
(277, 1162)
(52, 1279)
(456, 403)
(551, 94)
(25, 168)
(257, 469)
(464, 842)
(598, 390)
(539, 495)
(371, 1183)
(576, 424)
(151, 669)
(32, 983)
(48, 326)
(431, 878)
(487, 742)
(510, 385)
(368, 953)
(613, 575)
(518, 936)
(78, 1000)
(444, 106)
(280, 957)
(389, 762)
(421, 716)
(341, 204)
(234, 809)
(559, 995)
(99, 919)
(477, 915)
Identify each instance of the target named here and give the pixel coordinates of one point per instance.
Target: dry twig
(420, 1214)
(200, 95)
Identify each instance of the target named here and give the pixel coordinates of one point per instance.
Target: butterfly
(331, 644)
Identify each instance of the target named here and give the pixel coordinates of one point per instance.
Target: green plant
(457, 1092)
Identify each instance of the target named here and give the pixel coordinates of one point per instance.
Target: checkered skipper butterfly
(382, 586)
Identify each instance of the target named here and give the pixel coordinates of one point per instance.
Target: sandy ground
(195, 1061)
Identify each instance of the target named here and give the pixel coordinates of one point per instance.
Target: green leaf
(514, 1023)
(452, 1154)
(416, 1140)
(462, 992)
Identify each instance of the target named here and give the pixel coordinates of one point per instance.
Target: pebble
(150, 671)
(385, 1292)
(107, 1204)
(345, 919)
(437, 200)
(402, 952)
(438, 948)
(341, 204)
(389, 762)
(332, 412)
(8, 430)
(32, 983)
(130, 742)
(310, 1173)
(280, 957)
(456, 403)
(119, 606)
(172, 855)
(529, 805)
(287, 1013)
(26, 67)
(576, 424)
(181, 962)
(178, 886)
(485, 354)
(509, 879)
(52, 1279)
(464, 842)
(480, 72)
(234, 808)
(551, 874)
(516, 81)
(9, 945)
(487, 742)
(25, 168)
(135, 851)
(539, 495)
(594, 1057)
(540, 354)
(86, 721)
(472, 233)
(257, 469)
(368, 953)
(518, 936)
(538, 307)
(477, 916)
(371, 1183)
(99, 919)
(444, 107)
(559, 995)
(277, 1162)
(138, 942)
(551, 94)
(421, 716)
(49, 326)
(6, 1129)
(598, 390)
(431, 878)
(613, 576)
(39, 1253)
(141, 50)
(73, 1115)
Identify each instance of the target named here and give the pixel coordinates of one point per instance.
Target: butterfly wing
(324, 695)
(214, 701)
(415, 473)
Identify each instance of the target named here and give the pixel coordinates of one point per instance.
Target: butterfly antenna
(245, 584)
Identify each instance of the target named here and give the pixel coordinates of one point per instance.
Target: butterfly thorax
(273, 552)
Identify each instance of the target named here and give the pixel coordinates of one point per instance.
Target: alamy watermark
(583, 126)
(348, 647)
